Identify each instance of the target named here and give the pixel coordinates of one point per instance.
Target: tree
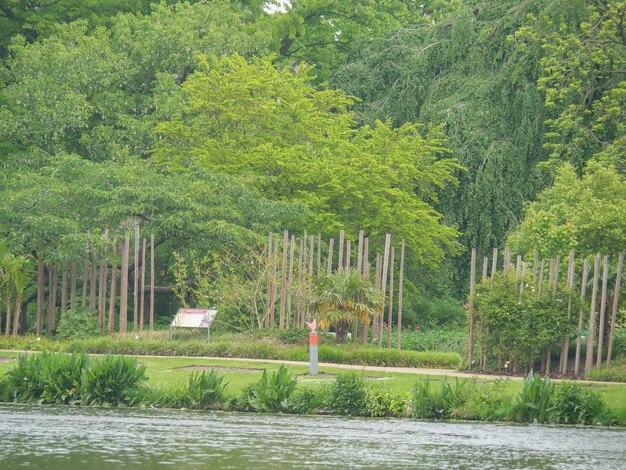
(345, 296)
(586, 214)
(296, 143)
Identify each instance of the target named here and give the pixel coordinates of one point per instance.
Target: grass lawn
(169, 372)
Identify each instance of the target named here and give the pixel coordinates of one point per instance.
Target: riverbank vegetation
(77, 379)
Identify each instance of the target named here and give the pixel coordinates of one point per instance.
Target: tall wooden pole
(390, 312)
(384, 286)
(124, 285)
(271, 319)
(85, 278)
(319, 254)
(93, 289)
(299, 280)
(329, 266)
(152, 263)
(52, 300)
(570, 286)
(365, 327)
(73, 287)
(359, 255)
(136, 282)
(541, 271)
(112, 293)
(592, 315)
(470, 339)
(378, 285)
(64, 277)
(618, 281)
(494, 266)
(605, 280)
(142, 294)
(283, 283)
(400, 285)
(342, 234)
(309, 280)
(268, 285)
(102, 286)
(292, 247)
(581, 315)
(535, 267)
(348, 253)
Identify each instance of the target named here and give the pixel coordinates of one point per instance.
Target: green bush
(433, 405)
(204, 390)
(79, 323)
(533, 401)
(311, 399)
(25, 379)
(112, 380)
(61, 375)
(347, 395)
(485, 401)
(572, 404)
(437, 313)
(271, 393)
(380, 401)
(616, 372)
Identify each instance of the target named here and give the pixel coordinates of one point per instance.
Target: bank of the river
(168, 376)
(74, 438)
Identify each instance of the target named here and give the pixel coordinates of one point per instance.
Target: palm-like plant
(344, 296)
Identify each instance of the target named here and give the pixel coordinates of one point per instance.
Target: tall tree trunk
(618, 281)
(581, 316)
(124, 285)
(53, 277)
(136, 281)
(112, 293)
(143, 285)
(64, 290)
(390, 312)
(592, 315)
(605, 279)
(472, 283)
(40, 295)
(400, 285)
(152, 283)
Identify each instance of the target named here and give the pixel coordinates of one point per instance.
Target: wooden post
(340, 252)
(142, 294)
(93, 289)
(522, 282)
(271, 317)
(390, 311)
(507, 261)
(470, 339)
(400, 285)
(64, 290)
(592, 315)
(605, 280)
(329, 267)
(136, 281)
(535, 267)
(494, 265)
(73, 287)
(52, 298)
(570, 286)
(111, 325)
(268, 286)
(581, 313)
(485, 267)
(518, 271)
(299, 278)
(365, 327)
(283, 281)
(359, 255)
(292, 247)
(124, 285)
(377, 285)
(102, 286)
(618, 280)
(309, 280)
(541, 271)
(319, 254)
(384, 286)
(152, 283)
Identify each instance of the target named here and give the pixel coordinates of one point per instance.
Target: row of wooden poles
(292, 263)
(100, 284)
(520, 272)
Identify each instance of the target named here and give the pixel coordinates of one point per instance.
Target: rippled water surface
(79, 438)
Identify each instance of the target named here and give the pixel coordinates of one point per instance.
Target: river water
(46, 437)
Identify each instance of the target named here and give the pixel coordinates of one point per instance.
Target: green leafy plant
(347, 396)
(311, 399)
(25, 380)
(78, 323)
(111, 380)
(572, 404)
(204, 390)
(533, 402)
(379, 401)
(434, 405)
(272, 392)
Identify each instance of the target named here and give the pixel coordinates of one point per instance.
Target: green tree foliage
(300, 144)
(99, 92)
(345, 296)
(584, 81)
(586, 214)
(519, 329)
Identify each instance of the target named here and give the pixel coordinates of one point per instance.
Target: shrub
(616, 372)
(572, 404)
(78, 323)
(311, 399)
(25, 380)
(434, 405)
(380, 401)
(271, 393)
(347, 396)
(112, 380)
(61, 376)
(204, 390)
(533, 401)
(485, 401)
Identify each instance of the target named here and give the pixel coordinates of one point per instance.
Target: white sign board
(193, 318)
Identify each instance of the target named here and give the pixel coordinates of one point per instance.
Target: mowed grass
(172, 372)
